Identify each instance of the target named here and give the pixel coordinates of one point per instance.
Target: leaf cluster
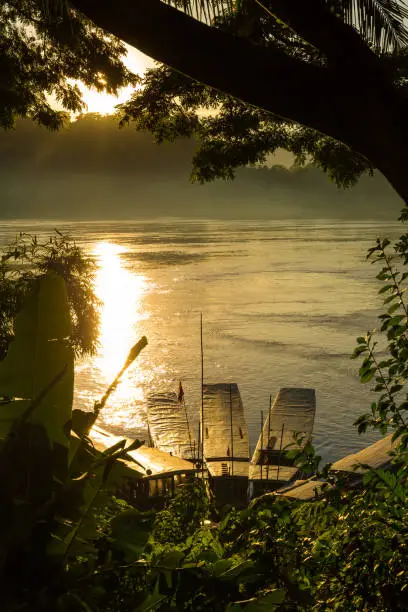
(230, 133)
(387, 367)
(183, 514)
(45, 47)
(27, 259)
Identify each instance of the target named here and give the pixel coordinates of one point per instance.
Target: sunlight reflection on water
(121, 293)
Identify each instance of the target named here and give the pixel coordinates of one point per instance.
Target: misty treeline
(70, 542)
(93, 169)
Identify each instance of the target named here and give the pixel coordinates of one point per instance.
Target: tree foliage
(379, 22)
(45, 47)
(385, 350)
(341, 44)
(230, 133)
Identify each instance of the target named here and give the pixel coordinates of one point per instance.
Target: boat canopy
(374, 456)
(293, 411)
(168, 424)
(225, 431)
(150, 461)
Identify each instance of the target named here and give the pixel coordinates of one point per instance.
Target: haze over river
(282, 302)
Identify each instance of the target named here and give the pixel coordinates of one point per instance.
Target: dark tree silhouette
(339, 68)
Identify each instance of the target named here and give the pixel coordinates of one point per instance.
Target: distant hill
(95, 170)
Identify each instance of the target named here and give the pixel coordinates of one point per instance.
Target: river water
(282, 303)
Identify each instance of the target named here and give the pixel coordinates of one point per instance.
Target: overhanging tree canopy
(351, 95)
(353, 90)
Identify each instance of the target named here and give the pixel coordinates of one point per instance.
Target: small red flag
(180, 393)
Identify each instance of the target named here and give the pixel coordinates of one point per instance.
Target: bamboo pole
(149, 436)
(232, 432)
(188, 428)
(262, 441)
(269, 436)
(202, 395)
(280, 450)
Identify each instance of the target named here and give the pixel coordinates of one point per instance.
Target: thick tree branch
(263, 77)
(315, 23)
(331, 99)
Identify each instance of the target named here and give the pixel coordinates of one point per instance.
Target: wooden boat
(151, 474)
(169, 427)
(225, 443)
(354, 466)
(305, 490)
(293, 412)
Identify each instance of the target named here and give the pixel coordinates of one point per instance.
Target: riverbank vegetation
(68, 542)
(26, 260)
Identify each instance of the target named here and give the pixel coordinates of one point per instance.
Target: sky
(104, 103)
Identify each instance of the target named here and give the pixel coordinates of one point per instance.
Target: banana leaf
(37, 374)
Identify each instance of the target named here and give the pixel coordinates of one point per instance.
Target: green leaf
(152, 600)
(238, 570)
(396, 388)
(266, 603)
(393, 308)
(367, 375)
(133, 446)
(386, 288)
(172, 559)
(396, 320)
(114, 448)
(358, 351)
(221, 566)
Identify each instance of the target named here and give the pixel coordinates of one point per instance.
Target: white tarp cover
(376, 456)
(168, 425)
(222, 404)
(293, 409)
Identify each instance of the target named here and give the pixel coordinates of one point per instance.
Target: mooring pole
(261, 453)
(280, 450)
(188, 428)
(269, 436)
(232, 433)
(202, 396)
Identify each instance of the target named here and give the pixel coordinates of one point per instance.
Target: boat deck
(149, 462)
